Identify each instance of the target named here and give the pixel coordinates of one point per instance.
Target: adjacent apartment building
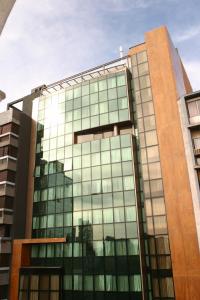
(108, 197)
(5, 9)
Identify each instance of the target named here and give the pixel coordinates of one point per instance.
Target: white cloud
(188, 34)
(46, 42)
(127, 5)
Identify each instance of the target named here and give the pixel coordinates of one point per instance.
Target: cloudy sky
(46, 40)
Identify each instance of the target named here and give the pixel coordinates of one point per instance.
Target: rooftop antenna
(121, 51)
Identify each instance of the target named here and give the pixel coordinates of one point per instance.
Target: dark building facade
(109, 209)
(14, 149)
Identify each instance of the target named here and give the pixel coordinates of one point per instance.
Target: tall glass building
(103, 213)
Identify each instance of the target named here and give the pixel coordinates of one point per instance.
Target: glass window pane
(148, 108)
(108, 215)
(88, 283)
(158, 206)
(85, 89)
(99, 283)
(160, 225)
(108, 232)
(128, 182)
(105, 144)
(104, 119)
(106, 171)
(144, 81)
(113, 105)
(93, 87)
(122, 282)
(106, 185)
(114, 117)
(130, 213)
(133, 246)
(121, 80)
(97, 216)
(67, 282)
(146, 95)
(121, 91)
(77, 92)
(127, 168)
(95, 159)
(96, 172)
(123, 103)
(119, 214)
(110, 283)
(120, 247)
(116, 155)
(87, 217)
(126, 154)
(112, 94)
(151, 138)
(77, 218)
(116, 170)
(154, 170)
(102, 85)
(115, 142)
(109, 248)
(143, 69)
(107, 200)
(97, 232)
(142, 57)
(131, 230)
(103, 96)
(117, 184)
(129, 197)
(111, 82)
(98, 248)
(120, 231)
(149, 123)
(77, 249)
(135, 283)
(67, 250)
(77, 282)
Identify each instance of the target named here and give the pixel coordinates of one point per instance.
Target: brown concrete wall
(22, 178)
(30, 190)
(22, 257)
(168, 84)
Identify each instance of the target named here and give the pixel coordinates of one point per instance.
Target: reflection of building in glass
(107, 170)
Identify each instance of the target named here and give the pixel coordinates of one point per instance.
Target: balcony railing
(7, 189)
(5, 245)
(197, 151)
(4, 276)
(9, 139)
(6, 216)
(8, 163)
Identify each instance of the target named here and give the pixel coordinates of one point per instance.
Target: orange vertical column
(20, 256)
(169, 82)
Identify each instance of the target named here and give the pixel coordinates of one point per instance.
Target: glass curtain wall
(86, 191)
(158, 259)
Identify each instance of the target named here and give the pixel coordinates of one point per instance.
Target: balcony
(5, 245)
(7, 189)
(4, 276)
(197, 151)
(8, 163)
(9, 139)
(6, 216)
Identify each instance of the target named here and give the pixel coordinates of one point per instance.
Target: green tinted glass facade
(85, 190)
(98, 182)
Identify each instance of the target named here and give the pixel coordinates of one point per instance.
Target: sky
(46, 40)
